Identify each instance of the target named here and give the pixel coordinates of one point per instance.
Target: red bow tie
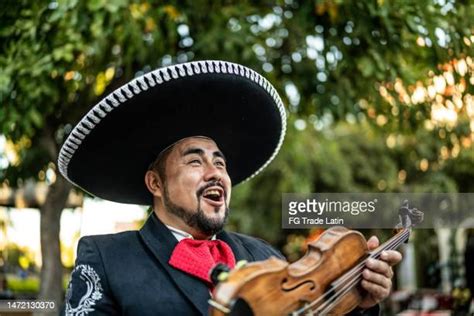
(198, 257)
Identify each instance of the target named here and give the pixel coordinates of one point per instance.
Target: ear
(153, 183)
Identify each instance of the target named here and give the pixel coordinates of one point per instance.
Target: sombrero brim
(110, 149)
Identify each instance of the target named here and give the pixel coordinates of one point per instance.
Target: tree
(57, 59)
(330, 59)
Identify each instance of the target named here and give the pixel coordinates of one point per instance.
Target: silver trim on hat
(157, 77)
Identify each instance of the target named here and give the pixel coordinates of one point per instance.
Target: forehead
(203, 143)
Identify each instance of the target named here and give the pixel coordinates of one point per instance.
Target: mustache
(208, 185)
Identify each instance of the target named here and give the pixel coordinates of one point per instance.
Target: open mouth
(214, 195)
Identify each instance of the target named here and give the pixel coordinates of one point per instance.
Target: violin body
(276, 287)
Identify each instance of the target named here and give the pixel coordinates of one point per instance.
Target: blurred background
(379, 96)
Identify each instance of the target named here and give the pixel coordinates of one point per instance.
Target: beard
(196, 219)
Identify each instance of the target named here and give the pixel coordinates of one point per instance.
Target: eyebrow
(200, 152)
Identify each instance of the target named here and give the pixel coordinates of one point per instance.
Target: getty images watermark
(375, 210)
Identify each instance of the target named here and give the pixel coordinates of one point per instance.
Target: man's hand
(377, 277)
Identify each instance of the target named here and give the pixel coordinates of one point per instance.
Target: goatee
(196, 219)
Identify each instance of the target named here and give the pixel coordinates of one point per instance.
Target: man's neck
(176, 223)
(180, 235)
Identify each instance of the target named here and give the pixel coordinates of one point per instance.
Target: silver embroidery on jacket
(92, 295)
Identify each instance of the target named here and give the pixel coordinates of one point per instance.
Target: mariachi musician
(177, 139)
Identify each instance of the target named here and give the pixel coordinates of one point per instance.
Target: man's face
(197, 187)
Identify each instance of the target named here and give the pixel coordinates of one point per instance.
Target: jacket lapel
(240, 253)
(161, 243)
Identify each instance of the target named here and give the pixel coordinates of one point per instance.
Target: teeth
(212, 192)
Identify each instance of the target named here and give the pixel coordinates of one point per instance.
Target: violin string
(354, 272)
(358, 268)
(330, 304)
(375, 253)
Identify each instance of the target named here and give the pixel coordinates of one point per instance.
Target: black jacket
(128, 273)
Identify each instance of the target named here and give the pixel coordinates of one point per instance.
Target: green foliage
(461, 169)
(23, 285)
(54, 55)
(14, 255)
(347, 68)
(29, 284)
(427, 258)
(347, 158)
(329, 60)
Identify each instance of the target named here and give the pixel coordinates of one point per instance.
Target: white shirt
(180, 235)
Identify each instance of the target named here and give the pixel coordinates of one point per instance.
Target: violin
(326, 280)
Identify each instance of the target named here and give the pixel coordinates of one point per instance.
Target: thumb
(373, 242)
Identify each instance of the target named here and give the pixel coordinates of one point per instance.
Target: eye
(195, 162)
(220, 163)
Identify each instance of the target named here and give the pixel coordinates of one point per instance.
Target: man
(178, 139)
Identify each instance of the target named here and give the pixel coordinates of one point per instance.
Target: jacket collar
(240, 253)
(161, 242)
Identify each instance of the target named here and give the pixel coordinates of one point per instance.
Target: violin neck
(393, 243)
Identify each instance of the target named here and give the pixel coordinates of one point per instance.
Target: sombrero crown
(109, 150)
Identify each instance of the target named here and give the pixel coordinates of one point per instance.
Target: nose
(212, 173)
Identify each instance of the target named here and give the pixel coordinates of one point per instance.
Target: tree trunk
(51, 288)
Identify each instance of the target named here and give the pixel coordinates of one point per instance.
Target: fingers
(377, 277)
(392, 257)
(379, 266)
(373, 242)
(377, 291)
(383, 280)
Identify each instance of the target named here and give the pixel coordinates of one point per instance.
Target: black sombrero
(109, 150)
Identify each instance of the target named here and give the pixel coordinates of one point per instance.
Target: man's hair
(159, 165)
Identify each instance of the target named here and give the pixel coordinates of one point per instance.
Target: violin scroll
(409, 217)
